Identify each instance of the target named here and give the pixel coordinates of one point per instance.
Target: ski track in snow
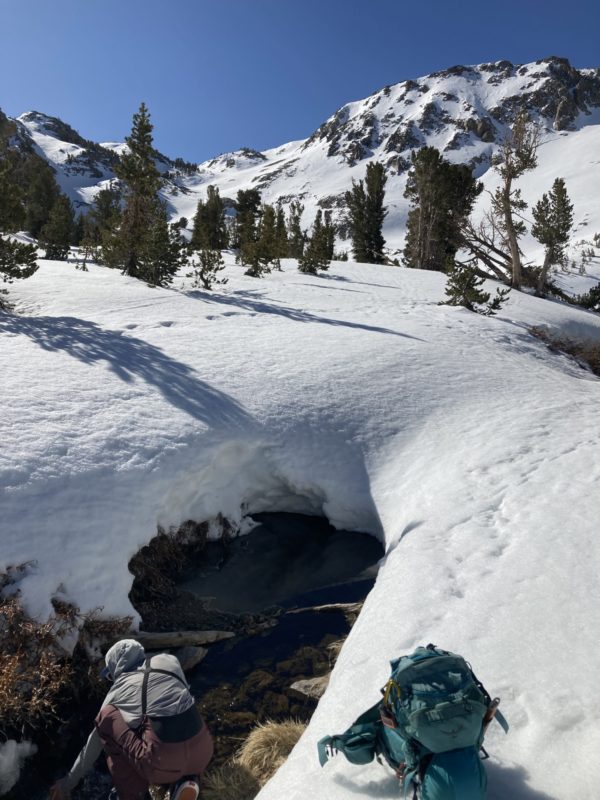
(461, 441)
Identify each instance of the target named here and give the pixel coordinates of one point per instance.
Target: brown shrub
(34, 671)
(157, 564)
(584, 350)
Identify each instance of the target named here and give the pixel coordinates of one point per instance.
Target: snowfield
(461, 441)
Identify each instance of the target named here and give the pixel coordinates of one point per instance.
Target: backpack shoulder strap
(147, 670)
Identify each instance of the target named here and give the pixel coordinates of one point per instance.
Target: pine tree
(210, 231)
(41, 194)
(78, 230)
(57, 234)
(282, 246)
(17, 260)
(553, 220)
(464, 289)
(366, 214)
(206, 271)
(442, 196)
(143, 246)
(375, 181)
(517, 155)
(295, 234)
(356, 203)
(266, 243)
(316, 251)
(247, 208)
(329, 235)
(164, 253)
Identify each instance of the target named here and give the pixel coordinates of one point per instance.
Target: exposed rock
(274, 704)
(482, 127)
(433, 118)
(311, 687)
(405, 137)
(189, 657)
(256, 683)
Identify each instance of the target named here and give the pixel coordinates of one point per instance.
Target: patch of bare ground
(585, 351)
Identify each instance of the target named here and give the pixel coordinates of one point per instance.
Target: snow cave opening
(286, 560)
(289, 591)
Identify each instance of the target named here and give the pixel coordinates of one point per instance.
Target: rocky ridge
(464, 111)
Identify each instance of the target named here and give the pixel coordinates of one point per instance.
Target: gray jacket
(166, 696)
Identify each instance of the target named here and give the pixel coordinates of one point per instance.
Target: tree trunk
(511, 235)
(541, 284)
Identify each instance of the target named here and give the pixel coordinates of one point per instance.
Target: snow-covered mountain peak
(464, 111)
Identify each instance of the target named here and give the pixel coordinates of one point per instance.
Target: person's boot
(187, 788)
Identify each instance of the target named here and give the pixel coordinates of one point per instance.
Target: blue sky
(221, 74)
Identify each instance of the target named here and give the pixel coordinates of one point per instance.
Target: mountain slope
(463, 111)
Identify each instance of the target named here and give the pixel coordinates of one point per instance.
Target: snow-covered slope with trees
(462, 111)
(461, 441)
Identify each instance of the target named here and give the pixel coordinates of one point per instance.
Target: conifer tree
(356, 203)
(210, 231)
(315, 256)
(295, 234)
(266, 242)
(143, 246)
(17, 260)
(366, 214)
(78, 230)
(553, 220)
(247, 208)
(281, 236)
(442, 196)
(164, 253)
(464, 289)
(57, 234)
(41, 194)
(206, 270)
(329, 235)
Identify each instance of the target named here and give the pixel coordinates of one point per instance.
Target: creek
(289, 562)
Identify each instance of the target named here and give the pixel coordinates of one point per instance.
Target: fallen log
(170, 639)
(346, 608)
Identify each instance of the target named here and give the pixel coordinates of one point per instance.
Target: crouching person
(148, 727)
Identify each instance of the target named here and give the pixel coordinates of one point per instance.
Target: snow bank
(460, 441)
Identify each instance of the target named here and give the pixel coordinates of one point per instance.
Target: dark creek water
(290, 561)
(281, 560)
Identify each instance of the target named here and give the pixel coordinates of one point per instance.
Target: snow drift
(460, 441)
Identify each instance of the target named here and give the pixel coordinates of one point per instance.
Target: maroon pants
(137, 758)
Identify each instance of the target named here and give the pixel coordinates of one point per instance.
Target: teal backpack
(429, 727)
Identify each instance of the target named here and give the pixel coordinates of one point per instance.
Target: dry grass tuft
(583, 350)
(268, 746)
(232, 781)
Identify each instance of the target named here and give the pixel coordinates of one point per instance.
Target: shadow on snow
(250, 300)
(503, 782)
(130, 358)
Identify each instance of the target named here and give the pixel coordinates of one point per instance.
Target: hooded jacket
(167, 695)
